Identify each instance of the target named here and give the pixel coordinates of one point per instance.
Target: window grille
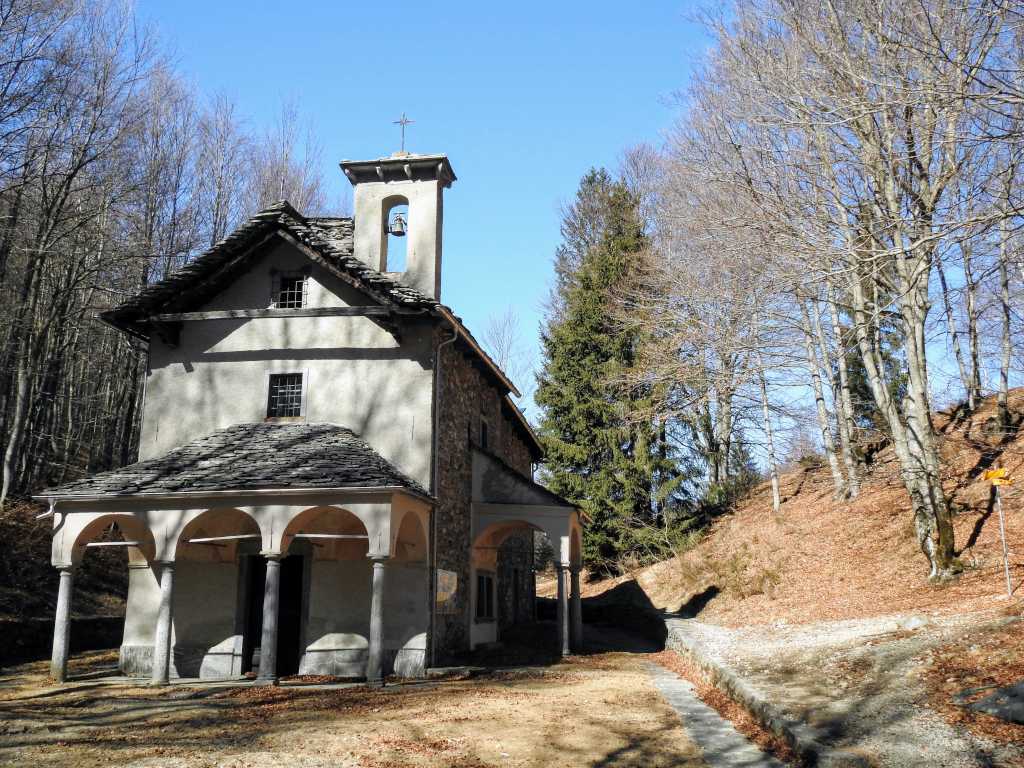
(285, 397)
(292, 292)
(485, 596)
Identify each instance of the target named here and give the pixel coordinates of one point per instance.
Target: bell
(397, 225)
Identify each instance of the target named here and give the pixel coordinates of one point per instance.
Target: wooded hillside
(821, 559)
(112, 173)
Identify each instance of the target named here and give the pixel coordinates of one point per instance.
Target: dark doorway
(289, 618)
(289, 628)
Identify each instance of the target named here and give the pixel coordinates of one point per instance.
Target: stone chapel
(333, 478)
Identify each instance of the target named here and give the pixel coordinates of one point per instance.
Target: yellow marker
(996, 475)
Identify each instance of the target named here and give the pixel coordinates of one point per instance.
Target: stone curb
(802, 738)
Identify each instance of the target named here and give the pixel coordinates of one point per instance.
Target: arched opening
(411, 541)
(507, 559)
(407, 598)
(109, 553)
(215, 604)
(324, 597)
(395, 235)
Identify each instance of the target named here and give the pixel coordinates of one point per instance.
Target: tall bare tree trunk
(954, 334)
(973, 342)
(843, 417)
(825, 428)
(766, 415)
(1002, 399)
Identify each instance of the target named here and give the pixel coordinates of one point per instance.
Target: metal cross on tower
(403, 121)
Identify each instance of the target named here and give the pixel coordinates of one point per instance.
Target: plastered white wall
(339, 605)
(205, 601)
(141, 607)
(359, 376)
(405, 606)
(374, 200)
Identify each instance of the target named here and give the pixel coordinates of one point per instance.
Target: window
(485, 596)
(285, 395)
(291, 292)
(484, 429)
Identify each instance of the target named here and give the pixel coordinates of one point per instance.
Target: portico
(494, 523)
(311, 581)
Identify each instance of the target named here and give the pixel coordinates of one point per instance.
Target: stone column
(62, 625)
(164, 622)
(375, 657)
(563, 611)
(268, 639)
(577, 609)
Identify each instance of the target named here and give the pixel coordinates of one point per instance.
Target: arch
(328, 521)
(495, 533)
(387, 205)
(132, 528)
(214, 523)
(410, 544)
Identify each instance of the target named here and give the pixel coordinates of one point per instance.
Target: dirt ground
(977, 662)
(599, 709)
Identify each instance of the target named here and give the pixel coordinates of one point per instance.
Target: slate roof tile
(252, 457)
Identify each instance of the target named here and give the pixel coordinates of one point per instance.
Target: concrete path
(721, 744)
(850, 692)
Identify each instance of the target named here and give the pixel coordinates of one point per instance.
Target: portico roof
(251, 457)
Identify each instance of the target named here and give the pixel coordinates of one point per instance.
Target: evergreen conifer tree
(619, 469)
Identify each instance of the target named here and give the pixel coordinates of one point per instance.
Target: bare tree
(503, 341)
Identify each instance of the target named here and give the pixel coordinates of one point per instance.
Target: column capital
(65, 567)
(380, 560)
(272, 556)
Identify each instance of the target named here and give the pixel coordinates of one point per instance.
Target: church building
(333, 477)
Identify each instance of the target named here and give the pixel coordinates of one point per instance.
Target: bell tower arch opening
(394, 242)
(398, 203)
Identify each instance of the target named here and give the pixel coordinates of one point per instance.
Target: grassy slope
(819, 559)
(28, 583)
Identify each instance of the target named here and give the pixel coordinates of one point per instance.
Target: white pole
(1002, 536)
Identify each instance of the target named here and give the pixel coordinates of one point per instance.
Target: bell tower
(401, 196)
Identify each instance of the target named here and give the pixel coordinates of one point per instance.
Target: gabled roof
(250, 457)
(326, 240)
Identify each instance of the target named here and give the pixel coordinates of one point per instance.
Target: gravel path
(857, 683)
(722, 746)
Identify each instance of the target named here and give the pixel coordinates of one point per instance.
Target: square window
(291, 292)
(485, 596)
(285, 395)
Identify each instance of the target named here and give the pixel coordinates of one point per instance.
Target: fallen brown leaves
(979, 662)
(733, 711)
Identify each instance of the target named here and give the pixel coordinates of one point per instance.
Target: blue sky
(523, 97)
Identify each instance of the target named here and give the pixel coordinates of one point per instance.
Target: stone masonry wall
(467, 398)
(516, 583)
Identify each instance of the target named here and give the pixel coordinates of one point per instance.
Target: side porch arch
(494, 524)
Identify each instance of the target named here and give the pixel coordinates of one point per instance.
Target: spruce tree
(617, 468)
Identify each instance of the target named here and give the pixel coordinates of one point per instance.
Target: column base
(266, 681)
